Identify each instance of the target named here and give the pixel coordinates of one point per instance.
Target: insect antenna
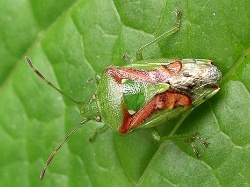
(59, 146)
(49, 83)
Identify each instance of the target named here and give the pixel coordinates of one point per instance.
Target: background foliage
(70, 41)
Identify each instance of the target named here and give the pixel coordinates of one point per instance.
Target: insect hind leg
(189, 138)
(163, 35)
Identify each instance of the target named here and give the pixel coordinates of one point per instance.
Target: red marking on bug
(161, 101)
(124, 128)
(157, 75)
(174, 67)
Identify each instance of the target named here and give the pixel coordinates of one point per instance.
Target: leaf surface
(69, 42)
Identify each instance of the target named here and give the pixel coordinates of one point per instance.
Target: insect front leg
(99, 130)
(165, 34)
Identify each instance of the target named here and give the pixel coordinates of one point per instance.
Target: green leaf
(69, 42)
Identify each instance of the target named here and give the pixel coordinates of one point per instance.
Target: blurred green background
(70, 41)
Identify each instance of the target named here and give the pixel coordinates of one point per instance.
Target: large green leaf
(71, 41)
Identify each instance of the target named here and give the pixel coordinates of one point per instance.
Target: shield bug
(146, 93)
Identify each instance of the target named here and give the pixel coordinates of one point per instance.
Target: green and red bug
(146, 93)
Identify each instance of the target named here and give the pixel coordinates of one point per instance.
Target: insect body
(143, 95)
(146, 93)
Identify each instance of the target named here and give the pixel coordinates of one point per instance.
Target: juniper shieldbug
(146, 93)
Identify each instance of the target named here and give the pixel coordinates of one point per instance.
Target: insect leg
(165, 34)
(100, 130)
(189, 138)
